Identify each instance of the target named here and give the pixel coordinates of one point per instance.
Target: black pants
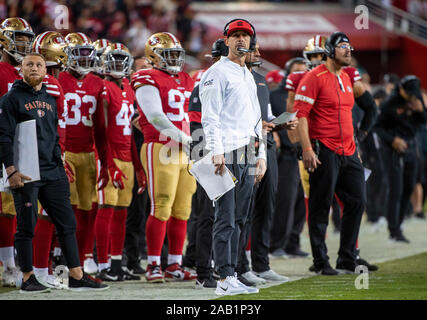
(203, 213)
(189, 259)
(376, 186)
(402, 174)
(343, 175)
(54, 196)
(289, 215)
(135, 224)
(231, 213)
(259, 222)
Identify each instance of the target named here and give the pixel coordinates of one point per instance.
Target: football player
(16, 37)
(100, 46)
(85, 126)
(163, 95)
(123, 161)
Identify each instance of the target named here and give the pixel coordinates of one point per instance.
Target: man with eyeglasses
(324, 100)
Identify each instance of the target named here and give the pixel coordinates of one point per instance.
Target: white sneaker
(248, 289)
(229, 287)
(90, 266)
(10, 277)
(52, 282)
(270, 275)
(249, 276)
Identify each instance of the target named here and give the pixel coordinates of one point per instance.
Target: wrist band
(11, 174)
(308, 149)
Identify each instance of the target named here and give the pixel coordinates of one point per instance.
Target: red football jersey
(197, 76)
(353, 74)
(175, 91)
(84, 103)
(119, 118)
(294, 79)
(8, 75)
(54, 89)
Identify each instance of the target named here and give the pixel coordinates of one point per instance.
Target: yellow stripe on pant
(170, 185)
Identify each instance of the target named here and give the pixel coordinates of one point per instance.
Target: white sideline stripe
(100, 192)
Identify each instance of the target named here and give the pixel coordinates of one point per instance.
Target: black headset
(219, 48)
(332, 42)
(252, 43)
(291, 62)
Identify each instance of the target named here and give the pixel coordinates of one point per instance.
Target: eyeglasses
(346, 46)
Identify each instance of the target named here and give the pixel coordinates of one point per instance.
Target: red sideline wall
(414, 59)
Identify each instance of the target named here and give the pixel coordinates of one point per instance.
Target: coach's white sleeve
(211, 98)
(149, 100)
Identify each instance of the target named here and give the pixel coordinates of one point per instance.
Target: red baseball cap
(239, 25)
(274, 76)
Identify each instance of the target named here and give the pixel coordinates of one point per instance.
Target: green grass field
(403, 279)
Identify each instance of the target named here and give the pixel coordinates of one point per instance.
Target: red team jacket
(327, 105)
(120, 113)
(175, 91)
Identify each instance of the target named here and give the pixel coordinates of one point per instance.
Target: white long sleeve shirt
(231, 114)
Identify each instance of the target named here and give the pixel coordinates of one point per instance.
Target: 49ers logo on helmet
(153, 41)
(58, 40)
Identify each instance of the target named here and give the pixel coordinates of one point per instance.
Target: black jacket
(23, 103)
(278, 97)
(396, 119)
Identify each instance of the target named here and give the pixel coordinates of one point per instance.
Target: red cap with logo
(239, 25)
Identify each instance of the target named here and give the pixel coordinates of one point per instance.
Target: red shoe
(154, 273)
(174, 272)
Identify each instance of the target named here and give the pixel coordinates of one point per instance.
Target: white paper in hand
(25, 153)
(215, 185)
(284, 118)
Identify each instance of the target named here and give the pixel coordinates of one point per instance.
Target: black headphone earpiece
(329, 48)
(252, 44)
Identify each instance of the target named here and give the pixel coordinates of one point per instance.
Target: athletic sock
(102, 227)
(155, 231)
(118, 232)
(177, 231)
(42, 241)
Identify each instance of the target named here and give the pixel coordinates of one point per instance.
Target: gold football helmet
(11, 32)
(52, 46)
(100, 46)
(116, 61)
(81, 53)
(165, 52)
(314, 45)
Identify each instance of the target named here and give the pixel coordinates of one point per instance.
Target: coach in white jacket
(231, 118)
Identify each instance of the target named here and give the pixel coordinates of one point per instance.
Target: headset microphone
(240, 49)
(256, 63)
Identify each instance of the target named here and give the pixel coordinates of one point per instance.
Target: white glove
(186, 144)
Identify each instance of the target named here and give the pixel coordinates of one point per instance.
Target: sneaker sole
(34, 292)
(345, 271)
(88, 289)
(230, 294)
